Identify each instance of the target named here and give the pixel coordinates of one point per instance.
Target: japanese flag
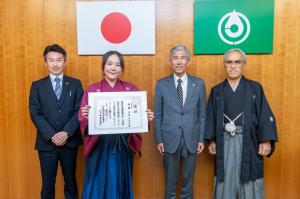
(125, 26)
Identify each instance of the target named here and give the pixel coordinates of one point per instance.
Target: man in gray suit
(179, 122)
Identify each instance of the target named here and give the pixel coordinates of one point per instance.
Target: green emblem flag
(223, 24)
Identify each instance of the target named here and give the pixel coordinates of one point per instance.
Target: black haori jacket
(259, 125)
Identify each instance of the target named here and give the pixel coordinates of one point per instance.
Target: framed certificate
(118, 112)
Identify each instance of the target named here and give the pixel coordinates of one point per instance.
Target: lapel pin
(194, 85)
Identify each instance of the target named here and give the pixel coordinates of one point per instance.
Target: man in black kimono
(241, 130)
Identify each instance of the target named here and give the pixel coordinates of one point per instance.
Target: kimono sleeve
(210, 124)
(83, 121)
(267, 130)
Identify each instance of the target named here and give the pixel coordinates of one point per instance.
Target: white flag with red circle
(125, 26)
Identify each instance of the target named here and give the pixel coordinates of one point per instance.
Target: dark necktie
(57, 89)
(180, 94)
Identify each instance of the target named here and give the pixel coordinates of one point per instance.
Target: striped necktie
(57, 89)
(180, 94)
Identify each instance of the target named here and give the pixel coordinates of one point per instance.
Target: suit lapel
(50, 90)
(191, 85)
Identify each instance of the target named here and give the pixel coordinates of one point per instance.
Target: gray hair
(180, 48)
(235, 50)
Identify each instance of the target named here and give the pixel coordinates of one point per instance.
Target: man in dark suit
(179, 122)
(54, 102)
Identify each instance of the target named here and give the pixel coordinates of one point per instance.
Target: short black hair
(108, 54)
(54, 48)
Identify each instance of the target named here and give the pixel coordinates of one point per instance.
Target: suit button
(59, 111)
(180, 127)
(182, 113)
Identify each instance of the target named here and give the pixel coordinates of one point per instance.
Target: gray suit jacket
(170, 121)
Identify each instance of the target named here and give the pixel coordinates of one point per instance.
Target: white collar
(183, 78)
(52, 77)
(234, 87)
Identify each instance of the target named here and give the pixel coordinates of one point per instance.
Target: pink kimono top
(134, 140)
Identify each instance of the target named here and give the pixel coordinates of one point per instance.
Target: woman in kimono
(108, 158)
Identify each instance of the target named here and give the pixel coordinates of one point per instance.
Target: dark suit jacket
(170, 121)
(50, 115)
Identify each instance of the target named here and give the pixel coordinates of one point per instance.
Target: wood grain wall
(27, 26)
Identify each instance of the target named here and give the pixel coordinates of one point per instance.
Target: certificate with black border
(118, 112)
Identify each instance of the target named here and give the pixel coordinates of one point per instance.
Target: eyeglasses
(237, 63)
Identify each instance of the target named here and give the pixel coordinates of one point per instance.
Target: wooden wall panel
(27, 26)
